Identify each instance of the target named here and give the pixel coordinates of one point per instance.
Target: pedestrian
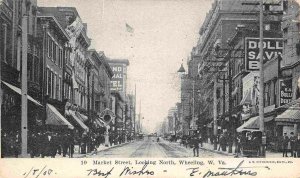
(5, 146)
(201, 140)
(293, 145)
(285, 143)
(298, 145)
(220, 137)
(40, 140)
(32, 145)
(66, 143)
(223, 142)
(195, 142)
(256, 145)
(238, 145)
(16, 144)
(49, 145)
(71, 145)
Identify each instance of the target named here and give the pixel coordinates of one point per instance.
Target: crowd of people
(247, 143)
(48, 143)
(40, 144)
(291, 144)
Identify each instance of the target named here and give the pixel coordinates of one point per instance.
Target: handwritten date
(37, 172)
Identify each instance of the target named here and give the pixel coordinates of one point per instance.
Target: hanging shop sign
(286, 92)
(272, 48)
(107, 116)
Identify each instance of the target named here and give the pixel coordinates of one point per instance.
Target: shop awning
(292, 114)
(253, 124)
(55, 118)
(245, 116)
(82, 117)
(19, 91)
(78, 121)
(210, 125)
(99, 122)
(235, 91)
(246, 98)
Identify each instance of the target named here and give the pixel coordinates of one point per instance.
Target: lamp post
(181, 72)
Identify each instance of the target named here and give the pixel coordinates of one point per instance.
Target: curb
(107, 148)
(218, 152)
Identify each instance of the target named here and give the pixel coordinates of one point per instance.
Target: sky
(165, 32)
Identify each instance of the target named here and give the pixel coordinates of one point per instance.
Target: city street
(149, 148)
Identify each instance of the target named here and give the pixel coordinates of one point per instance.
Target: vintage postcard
(150, 88)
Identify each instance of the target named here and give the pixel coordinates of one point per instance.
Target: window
(49, 41)
(59, 88)
(3, 42)
(54, 86)
(60, 59)
(29, 67)
(36, 69)
(48, 80)
(54, 48)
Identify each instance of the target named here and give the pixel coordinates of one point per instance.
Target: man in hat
(285, 143)
(298, 145)
(293, 144)
(195, 142)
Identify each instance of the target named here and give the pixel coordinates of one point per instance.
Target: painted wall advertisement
(117, 81)
(286, 92)
(272, 48)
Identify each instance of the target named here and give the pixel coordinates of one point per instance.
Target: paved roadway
(149, 148)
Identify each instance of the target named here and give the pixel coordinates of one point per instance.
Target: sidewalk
(99, 149)
(78, 155)
(210, 147)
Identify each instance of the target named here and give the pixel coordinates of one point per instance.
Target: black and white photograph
(150, 79)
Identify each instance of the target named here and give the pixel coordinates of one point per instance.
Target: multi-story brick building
(218, 62)
(12, 16)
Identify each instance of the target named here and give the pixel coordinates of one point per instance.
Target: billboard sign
(272, 48)
(286, 92)
(117, 81)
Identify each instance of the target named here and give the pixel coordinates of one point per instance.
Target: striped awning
(246, 98)
(82, 117)
(55, 118)
(253, 123)
(99, 122)
(292, 114)
(78, 121)
(19, 91)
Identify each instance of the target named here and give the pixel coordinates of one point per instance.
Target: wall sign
(272, 48)
(286, 92)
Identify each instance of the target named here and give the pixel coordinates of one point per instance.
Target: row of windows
(55, 52)
(270, 93)
(33, 68)
(54, 84)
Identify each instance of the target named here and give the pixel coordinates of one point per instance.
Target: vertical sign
(272, 48)
(117, 80)
(286, 92)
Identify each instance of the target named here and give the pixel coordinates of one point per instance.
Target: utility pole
(231, 127)
(24, 101)
(261, 77)
(193, 111)
(261, 72)
(134, 123)
(215, 112)
(140, 129)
